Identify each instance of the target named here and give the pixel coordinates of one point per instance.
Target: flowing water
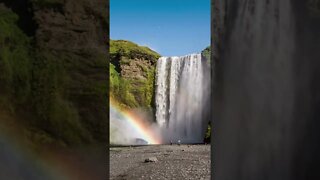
(263, 103)
(253, 126)
(182, 88)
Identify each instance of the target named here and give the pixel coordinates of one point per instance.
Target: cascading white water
(255, 105)
(182, 85)
(161, 91)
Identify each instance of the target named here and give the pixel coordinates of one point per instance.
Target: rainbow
(138, 124)
(21, 161)
(23, 158)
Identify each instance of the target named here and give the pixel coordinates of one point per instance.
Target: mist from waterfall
(182, 93)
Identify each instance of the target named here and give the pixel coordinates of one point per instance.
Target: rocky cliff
(53, 63)
(132, 70)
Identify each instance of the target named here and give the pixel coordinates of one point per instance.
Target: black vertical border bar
(108, 91)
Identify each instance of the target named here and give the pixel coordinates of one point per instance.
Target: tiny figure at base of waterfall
(171, 142)
(179, 142)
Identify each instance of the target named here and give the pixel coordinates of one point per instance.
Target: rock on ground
(151, 159)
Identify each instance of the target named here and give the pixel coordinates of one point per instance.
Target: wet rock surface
(172, 162)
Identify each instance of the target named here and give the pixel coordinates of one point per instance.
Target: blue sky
(170, 27)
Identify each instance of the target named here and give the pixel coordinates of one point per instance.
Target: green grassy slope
(132, 74)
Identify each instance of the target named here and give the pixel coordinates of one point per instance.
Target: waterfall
(255, 95)
(182, 87)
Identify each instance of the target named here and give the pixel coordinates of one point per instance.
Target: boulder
(151, 159)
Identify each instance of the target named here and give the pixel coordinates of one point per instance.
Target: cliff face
(72, 26)
(61, 64)
(132, 74)
(74, 34)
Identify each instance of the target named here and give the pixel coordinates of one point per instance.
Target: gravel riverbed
(172, 162)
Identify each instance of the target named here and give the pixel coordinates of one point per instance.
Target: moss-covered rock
(130, 50)
(15, 60)
(132, 74)
(207, 53)
(54, 81)
(207, 137)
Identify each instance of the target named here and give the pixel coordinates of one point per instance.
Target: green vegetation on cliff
(120, 89)
(130, 50)
(53, 94)
(207, 137)
(132, 74)
(15, 61)
(207, 53)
